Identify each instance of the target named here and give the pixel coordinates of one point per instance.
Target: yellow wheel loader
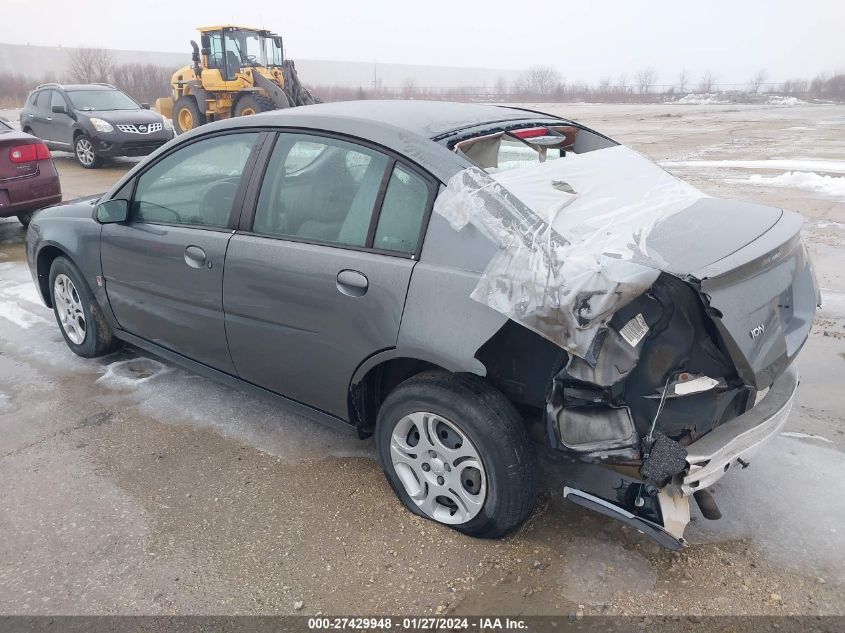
(238, 71)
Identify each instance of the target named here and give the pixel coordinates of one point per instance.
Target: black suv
(95, 121)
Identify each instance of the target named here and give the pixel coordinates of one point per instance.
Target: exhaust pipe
(707, 505)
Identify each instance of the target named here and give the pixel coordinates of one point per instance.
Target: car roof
(430, 119)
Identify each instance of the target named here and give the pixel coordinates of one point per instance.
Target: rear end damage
(655, 350)
(707, 378)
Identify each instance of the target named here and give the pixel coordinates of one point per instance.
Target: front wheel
(83, 148)
(187, 115)
(253, 104)
(82, 322)
(456, 451)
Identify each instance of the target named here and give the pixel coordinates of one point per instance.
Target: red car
(28, 178)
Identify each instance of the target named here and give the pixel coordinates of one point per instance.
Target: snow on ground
(809, 181)
(804, 164)
(789, 101)
(702, 99)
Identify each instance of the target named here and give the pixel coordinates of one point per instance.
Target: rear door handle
(195, 257)
(352, 283)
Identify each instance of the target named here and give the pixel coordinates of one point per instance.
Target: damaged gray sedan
(472, 285)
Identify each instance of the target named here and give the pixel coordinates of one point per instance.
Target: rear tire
(253, 104)
(81, 321)
(25, 218)
(456, 451)
(187, 115)
(83, 149)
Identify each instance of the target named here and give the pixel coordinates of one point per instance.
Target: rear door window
(196, 184)
(402, 212)
(42, 101)
(320, 189)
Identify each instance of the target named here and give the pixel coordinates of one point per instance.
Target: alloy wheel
(69, 308)
(85, 151)
(439, 467)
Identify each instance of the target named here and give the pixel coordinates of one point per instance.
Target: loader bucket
(164, 106)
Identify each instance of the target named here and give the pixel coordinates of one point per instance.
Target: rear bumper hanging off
(710, 457)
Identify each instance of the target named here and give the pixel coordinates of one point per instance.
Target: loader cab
(231, 49)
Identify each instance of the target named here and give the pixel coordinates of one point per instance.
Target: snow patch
(808, 181)
(702, 99)
(5, 405)
(787, 101)
(11, 311)
(806, 436)
(131, 373)
(832, 166)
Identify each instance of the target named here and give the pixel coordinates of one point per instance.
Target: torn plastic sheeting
(567, 261)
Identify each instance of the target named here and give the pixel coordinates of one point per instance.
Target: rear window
(4, 127)
(526, 146)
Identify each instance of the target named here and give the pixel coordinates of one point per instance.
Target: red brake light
(532, 132)
(29, 153)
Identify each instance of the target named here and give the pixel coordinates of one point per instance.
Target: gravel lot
(131, 486)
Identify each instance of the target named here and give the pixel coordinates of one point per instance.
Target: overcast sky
(583, 40)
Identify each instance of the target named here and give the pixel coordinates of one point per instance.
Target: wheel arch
(378, 375)
(44, 261)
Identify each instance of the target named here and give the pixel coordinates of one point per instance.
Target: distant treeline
(147, 82)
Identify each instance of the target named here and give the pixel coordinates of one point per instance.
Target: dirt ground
(130, 486)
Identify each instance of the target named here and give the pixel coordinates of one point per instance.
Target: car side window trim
(245, 227)
(237, 205)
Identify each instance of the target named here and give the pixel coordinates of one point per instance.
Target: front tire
(456, 451)
(83, 149)
(81, 321)
(253, 104)
(187, 115)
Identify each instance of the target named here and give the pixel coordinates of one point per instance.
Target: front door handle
(352, 283)
(195, 257)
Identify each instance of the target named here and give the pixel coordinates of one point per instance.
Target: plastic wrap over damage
(572, 236)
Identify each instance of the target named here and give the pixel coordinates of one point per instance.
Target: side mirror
(205, 40)
(146, 106)
(112, 211)
(59, 109)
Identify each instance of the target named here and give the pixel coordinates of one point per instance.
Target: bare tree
(90, 65)
(683, 81)
(542, 80)
(409, 88)
(645, 80)
(144, 82)
(757, 81)
(707, 83)
(501, 87)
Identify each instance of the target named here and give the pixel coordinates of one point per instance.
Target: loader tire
(187, 115)
(253, 104)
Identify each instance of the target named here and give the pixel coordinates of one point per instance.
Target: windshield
(248, 46)
(101, 100)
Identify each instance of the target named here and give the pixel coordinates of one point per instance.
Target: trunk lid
(763, 298)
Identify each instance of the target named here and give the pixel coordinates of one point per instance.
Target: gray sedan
(470, 284)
